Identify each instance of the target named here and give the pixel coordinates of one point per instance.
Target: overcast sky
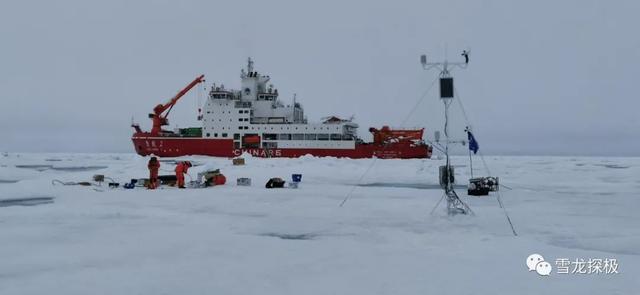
(546, 77)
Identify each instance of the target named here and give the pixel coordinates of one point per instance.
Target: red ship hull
(174, 146)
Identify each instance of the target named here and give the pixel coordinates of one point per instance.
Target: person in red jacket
(154, 166)
(181, 170)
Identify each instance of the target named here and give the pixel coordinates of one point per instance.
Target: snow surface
(250, 240)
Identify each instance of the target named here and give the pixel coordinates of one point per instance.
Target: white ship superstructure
(255, 110)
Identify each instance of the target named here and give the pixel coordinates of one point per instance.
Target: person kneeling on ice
(154, 166)
(181, 170)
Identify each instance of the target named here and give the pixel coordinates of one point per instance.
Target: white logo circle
(532, 260)
(543, 268)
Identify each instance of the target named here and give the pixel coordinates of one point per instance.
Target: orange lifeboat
(251, 139)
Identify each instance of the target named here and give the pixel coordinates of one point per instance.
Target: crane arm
(160, 120)
(159, 109)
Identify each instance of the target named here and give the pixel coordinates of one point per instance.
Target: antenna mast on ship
(249, 65)
(454, 203)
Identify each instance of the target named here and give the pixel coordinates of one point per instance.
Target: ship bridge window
(323, 136)
(266, 97)
(219, 95)
(310, 137)
(243, 104)
(336, 136)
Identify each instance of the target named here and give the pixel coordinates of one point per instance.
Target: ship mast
(249, 65)
(454, 203)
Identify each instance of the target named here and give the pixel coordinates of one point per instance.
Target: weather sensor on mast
(454, 203)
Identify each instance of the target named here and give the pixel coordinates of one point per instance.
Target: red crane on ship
(158, 118)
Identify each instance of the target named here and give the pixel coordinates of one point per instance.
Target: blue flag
(473, 144)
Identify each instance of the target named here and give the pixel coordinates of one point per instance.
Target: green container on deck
(191, 132)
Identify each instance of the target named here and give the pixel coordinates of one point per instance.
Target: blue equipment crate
(296, 177)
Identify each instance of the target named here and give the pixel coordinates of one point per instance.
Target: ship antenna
(249, 65)
(454, 204)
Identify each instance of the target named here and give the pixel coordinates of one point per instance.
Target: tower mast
(454, 203)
